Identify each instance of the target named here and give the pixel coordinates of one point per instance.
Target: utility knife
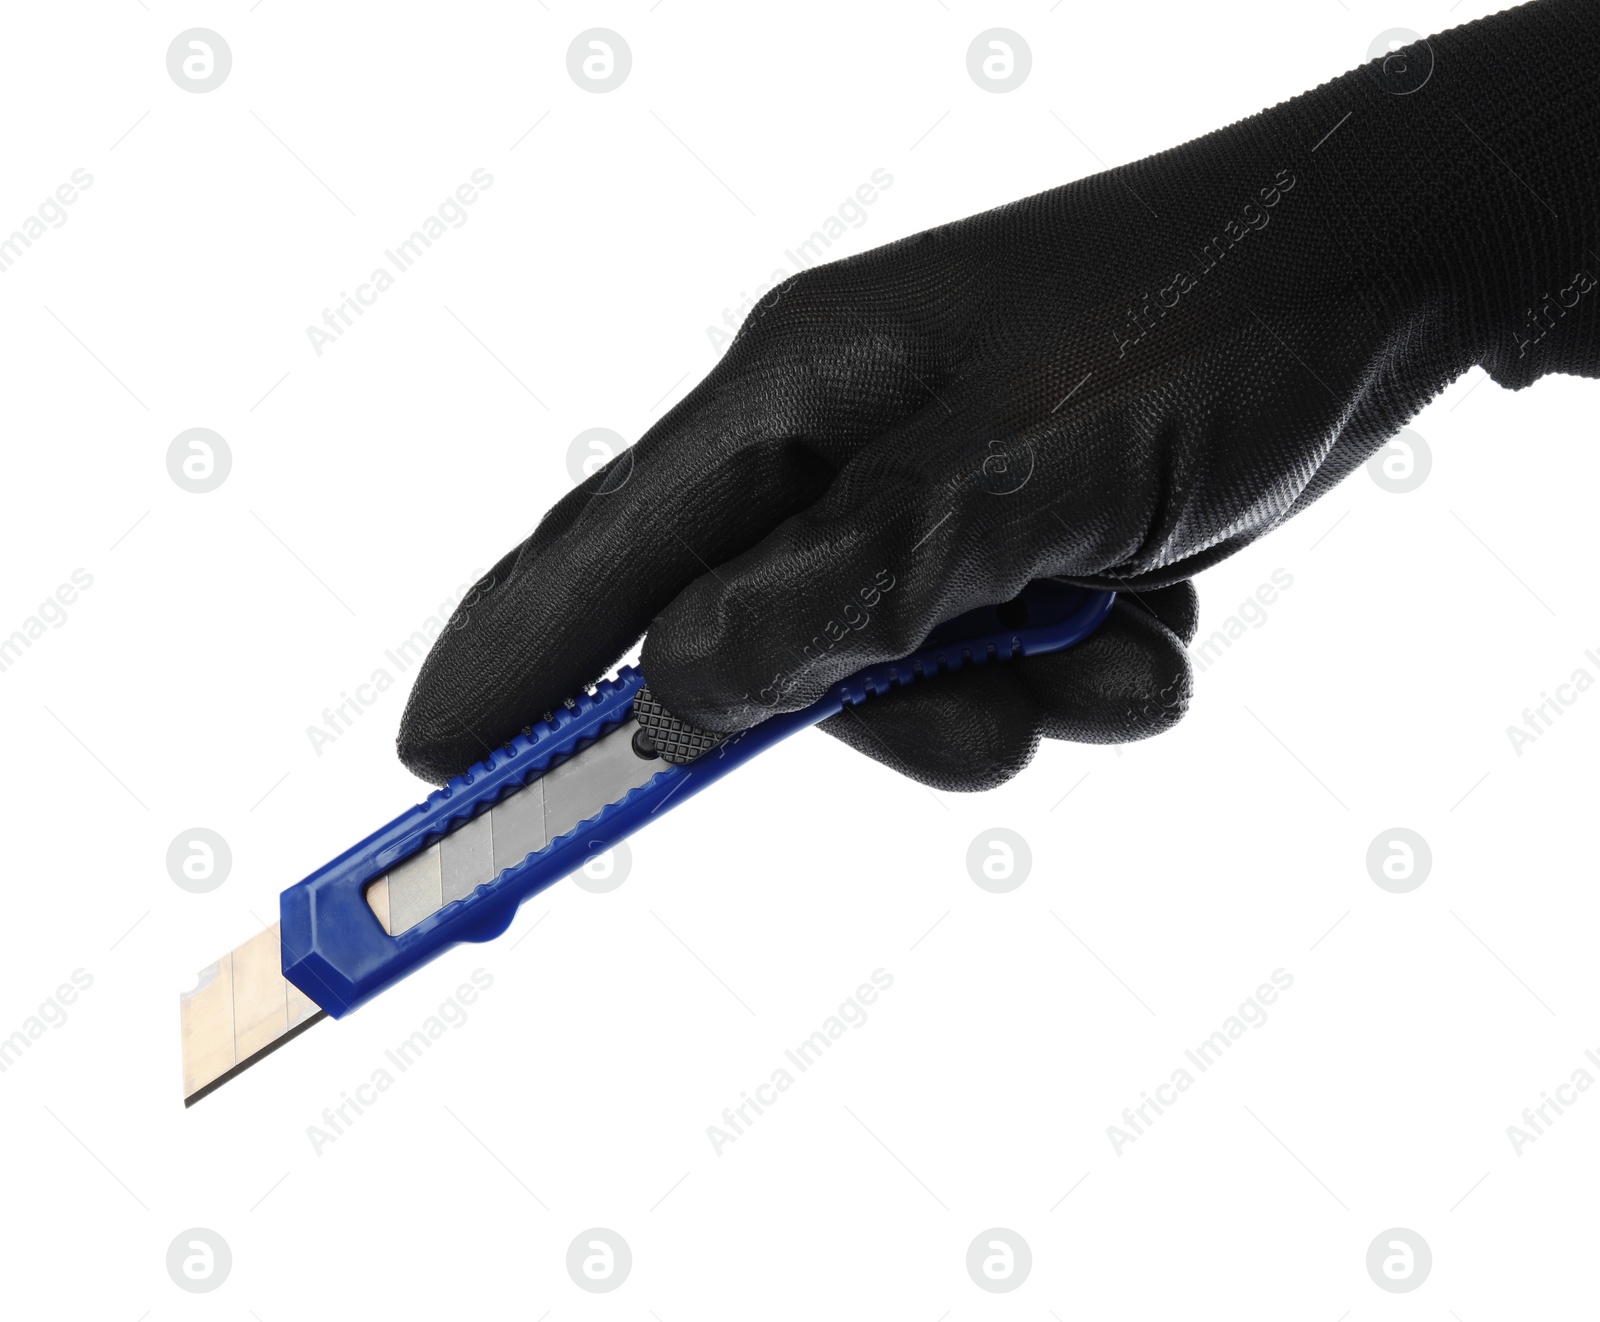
(457, 865)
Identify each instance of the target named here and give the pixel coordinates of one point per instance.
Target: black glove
(1118, 382)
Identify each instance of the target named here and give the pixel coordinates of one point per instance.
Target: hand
(1118, 382)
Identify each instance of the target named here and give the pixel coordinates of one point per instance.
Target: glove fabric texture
(1117, 382)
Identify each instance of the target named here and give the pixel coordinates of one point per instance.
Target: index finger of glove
(751, 445)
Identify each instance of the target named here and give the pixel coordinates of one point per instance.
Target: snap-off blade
(240, 1010)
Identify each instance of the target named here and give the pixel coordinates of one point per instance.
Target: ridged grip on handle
(1046, 617)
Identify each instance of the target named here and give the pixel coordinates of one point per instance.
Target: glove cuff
(1457, 177)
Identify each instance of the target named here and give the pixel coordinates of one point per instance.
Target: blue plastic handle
(336, 951)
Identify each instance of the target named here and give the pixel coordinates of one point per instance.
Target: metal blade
(241, 1009)
(520, 824)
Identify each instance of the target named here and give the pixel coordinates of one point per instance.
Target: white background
(368, 483)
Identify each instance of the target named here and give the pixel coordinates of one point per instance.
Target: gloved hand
(1118, 382)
